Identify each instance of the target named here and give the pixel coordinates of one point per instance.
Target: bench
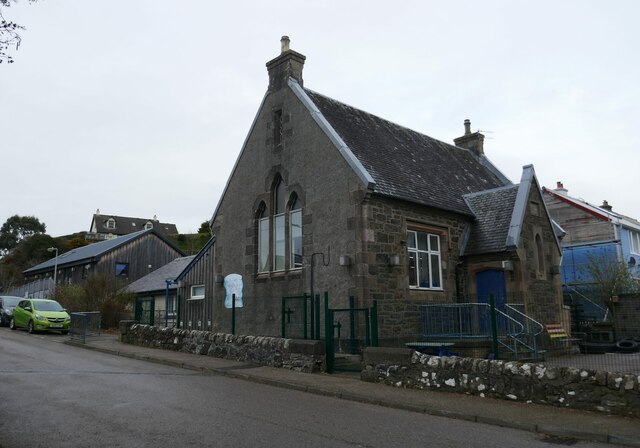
(559, 336)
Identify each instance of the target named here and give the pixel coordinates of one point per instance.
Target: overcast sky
(141, 108)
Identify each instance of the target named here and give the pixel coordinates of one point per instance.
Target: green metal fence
(347, 332)
(300, 317)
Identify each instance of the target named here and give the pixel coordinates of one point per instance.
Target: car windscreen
(47, 306)
(10, 302)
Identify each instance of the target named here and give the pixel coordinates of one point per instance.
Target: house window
(295, 232)
(122, 269)
(279, 232)
(111, 224)
(197, 292)
(425, 261)
(148, 226)
(263, 239)
(279, 227)
(634, 242)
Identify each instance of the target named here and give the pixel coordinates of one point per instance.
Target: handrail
(540, 326)
(606, 310)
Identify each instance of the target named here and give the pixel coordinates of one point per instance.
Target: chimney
(288, 64)
(473, 141)
(605, 205)
(560, 188)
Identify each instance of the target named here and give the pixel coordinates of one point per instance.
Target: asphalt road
(55, 395)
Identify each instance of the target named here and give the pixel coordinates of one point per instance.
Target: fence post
(283, 329)
(326, 295)
(374, 324)
(494, 325)
(233, 314)
(328, 334)
(304, 314)
(352, 326)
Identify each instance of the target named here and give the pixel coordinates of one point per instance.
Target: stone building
(326, 197)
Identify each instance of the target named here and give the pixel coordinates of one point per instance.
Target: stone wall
(294, 354)
(527, 382)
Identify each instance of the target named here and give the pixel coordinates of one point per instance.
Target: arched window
(279, 217)
(263, 238)
(295, 232)
(279, 231)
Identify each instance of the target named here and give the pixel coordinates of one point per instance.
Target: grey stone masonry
(568, 387)
(300, 355)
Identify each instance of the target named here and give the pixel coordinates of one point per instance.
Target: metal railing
(85, 324)
(466, 320)
(514, 331)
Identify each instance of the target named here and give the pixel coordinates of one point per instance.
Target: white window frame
(194, 296)
(263, 244)
(292, 235)
(111, 224)
(429, 254)
(279, 241)
(634, 242)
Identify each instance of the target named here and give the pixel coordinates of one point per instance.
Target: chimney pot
(284, 44)
(559, 185)
(605, 205)
(288, 64)
(471, 141)
(467, 127)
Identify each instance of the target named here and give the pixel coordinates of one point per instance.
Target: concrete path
(530, 417)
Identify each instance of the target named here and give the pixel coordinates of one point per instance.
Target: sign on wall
(233, 285)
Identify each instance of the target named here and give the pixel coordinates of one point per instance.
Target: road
(55, 395)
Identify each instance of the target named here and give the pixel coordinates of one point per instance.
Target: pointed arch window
(279, 240)
(279, 231)
(295, 232)
(263, 238)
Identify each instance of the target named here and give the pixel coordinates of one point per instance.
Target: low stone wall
(527, 382)
(295, 354)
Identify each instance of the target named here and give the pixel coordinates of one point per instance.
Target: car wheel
(30, 327)
(12, 324)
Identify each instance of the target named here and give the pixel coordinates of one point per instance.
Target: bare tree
(9, 33)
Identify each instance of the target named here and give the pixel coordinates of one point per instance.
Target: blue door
(489, 282)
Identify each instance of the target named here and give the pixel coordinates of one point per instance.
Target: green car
(40, 315)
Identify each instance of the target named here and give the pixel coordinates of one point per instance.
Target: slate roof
(408, 165)
(493, 210)
(155, 281)
(126, 225)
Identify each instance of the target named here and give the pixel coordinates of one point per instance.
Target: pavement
(554, 421)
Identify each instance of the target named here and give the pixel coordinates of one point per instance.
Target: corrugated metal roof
(89, 252)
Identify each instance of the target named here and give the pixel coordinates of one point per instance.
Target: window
(263, 239)
(634, 241)
(111, 224)
(122, 269)
(425, 270)
(279, 227)
(197, 292)
(295, 233)
(148, 226)
(279, 231)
